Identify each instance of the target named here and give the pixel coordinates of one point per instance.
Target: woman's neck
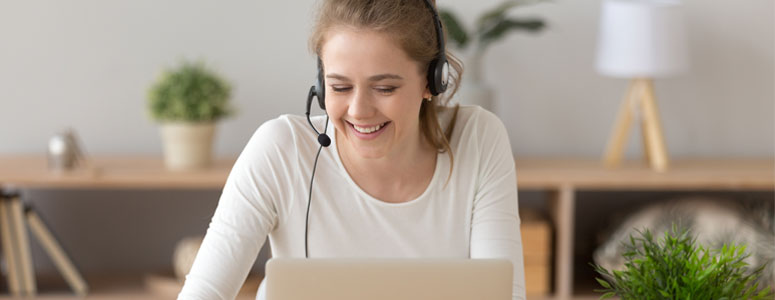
(398, 176)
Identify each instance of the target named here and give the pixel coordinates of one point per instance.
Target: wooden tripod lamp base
(640, 95)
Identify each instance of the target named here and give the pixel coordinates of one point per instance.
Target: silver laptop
(383, 279)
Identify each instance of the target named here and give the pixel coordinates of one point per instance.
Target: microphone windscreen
(324, 140)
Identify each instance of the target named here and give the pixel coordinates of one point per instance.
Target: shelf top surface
(690, 173)
(131, 172)
(148, 172)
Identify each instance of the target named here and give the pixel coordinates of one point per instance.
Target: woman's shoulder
(471, 121)
(286, 133)
(285, 128)
(281, 125)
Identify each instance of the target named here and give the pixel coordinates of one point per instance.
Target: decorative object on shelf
(188, 100)
(490, 27)
(641, 40)
(677, 267)
(65, 152)
(713, 222)
(184, 255)
(536, 232)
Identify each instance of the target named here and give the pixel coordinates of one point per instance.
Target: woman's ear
(427, 93)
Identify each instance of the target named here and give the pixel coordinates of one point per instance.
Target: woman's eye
(386, 90)
(382, 90)
(340, 89)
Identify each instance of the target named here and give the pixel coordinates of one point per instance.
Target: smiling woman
(374, 83)
(386, 187)
(400, 24)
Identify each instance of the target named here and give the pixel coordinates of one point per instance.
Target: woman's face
(373, 92)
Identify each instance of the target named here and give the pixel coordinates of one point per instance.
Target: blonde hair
(410, 23)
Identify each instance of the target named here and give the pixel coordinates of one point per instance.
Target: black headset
(438, 76)
(318, 90)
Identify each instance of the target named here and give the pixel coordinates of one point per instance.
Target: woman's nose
(361, 106)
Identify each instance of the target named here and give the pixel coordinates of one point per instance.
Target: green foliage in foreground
(676, 267)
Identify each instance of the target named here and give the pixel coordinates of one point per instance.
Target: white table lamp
(641, 40)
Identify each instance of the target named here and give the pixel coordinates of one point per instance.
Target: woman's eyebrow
(377, 77)
(384, 76)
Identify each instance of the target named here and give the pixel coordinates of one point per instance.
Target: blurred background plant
(188, 101)
(490, 27)
(190, 92)
(676, 267)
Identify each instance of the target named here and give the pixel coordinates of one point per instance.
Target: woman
(405, 176)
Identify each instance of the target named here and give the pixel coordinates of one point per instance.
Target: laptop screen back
(383, 279)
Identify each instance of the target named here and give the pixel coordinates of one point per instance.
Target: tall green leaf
(457, 33)
(499, 11)
(501, 27)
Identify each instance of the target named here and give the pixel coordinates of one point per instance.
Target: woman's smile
(368, 131)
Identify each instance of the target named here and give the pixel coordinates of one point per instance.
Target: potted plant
(187, 101)
(489, 28)
(675, 267)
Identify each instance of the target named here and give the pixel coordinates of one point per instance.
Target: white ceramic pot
(187, 145)
(474, 90)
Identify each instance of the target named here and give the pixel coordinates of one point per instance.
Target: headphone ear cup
(442, 69)
(433, 82)
(320, 91)
(437, 76)
(320, 86)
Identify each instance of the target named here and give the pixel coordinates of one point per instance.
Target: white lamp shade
(642, 38)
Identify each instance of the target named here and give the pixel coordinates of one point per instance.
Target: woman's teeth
(368, 129)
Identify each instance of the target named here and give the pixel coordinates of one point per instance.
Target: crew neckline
(371, 198)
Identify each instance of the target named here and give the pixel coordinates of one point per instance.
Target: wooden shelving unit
(563, 179)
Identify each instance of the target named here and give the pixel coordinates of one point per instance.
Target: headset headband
(437, 24)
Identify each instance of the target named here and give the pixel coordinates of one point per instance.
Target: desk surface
(139, 172)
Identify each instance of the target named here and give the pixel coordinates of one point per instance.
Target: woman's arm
(495, 221)
(247, 211)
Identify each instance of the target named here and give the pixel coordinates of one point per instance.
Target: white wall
(88, 63)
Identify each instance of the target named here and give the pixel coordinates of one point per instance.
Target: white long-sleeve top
(473, 214)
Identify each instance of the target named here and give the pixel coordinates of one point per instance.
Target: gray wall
(87, 64)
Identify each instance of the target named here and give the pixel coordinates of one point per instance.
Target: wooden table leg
(618, 141)
(653, 127)
(562, 205)
(27, 272)
(10, 251)
(57, 254)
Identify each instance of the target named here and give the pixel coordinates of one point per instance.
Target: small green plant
(191, 92)
(676, 267)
